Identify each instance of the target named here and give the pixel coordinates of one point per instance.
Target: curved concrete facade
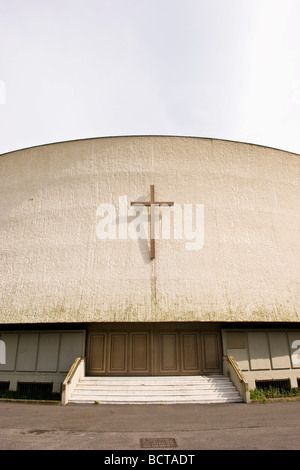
(56, 268)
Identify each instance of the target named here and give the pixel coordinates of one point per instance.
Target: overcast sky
(74, 69)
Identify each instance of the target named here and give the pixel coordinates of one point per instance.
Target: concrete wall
(264, 354)
(40, 356)
(54, 268)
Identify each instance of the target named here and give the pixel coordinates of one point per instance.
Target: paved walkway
(121, 427)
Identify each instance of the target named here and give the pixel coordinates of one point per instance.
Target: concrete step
(159, 378)
(153, 393)
(146, 401)
(156, 383)
(158, 386)
(154, 390)
(148, 380)
(164, 389)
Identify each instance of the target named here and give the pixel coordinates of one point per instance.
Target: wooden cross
(152, 203)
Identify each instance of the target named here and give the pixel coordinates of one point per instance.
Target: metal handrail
(70, 381)
(238, 372)
(243, 386)
(73, 369)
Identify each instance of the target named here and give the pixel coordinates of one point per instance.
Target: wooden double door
(153, 349)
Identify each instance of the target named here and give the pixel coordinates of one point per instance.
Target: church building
(149, 257)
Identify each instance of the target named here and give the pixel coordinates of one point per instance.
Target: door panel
(139, 362)
(118, 353)
(211, 353)
(96, 363)
(190, 352)
(168, 353)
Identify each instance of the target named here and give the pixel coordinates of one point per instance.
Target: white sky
(73, 69)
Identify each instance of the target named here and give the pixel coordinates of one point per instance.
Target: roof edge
(149, 135)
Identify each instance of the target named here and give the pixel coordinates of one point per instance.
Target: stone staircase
(155, 390)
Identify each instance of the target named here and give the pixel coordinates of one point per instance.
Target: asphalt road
(237, 426)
